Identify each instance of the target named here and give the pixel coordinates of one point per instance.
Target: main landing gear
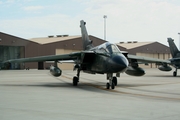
(76, 78)
(175, 73)
(112, 81)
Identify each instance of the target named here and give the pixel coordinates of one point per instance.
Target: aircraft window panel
(103, 50)
(109, 49)
(112, 49)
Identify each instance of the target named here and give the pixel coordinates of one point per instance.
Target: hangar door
(12, 52)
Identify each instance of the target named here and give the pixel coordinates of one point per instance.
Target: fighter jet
(103, 59)
(175, 61)
(164, 64)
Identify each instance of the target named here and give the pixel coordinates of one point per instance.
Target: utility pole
(105, 16)
(179, 40)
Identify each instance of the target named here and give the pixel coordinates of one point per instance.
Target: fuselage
(175, 62)
(108, 59)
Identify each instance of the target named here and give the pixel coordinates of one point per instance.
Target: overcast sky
(127, 20)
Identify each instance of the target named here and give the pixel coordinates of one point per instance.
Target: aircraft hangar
(147, 49)
(12, 47)
(62, 44)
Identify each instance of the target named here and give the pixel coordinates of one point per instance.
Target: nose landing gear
(110, 84)
(112, 81)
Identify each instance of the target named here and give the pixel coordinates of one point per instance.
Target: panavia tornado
(103, 59)
(175, 53)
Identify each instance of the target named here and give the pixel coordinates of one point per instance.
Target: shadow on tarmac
(170, 76)
(81, 86)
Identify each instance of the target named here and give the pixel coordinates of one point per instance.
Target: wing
(62, 57)
(140, 59)
(134, 61)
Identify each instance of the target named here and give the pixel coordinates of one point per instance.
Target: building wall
(9, 40)
(153, 50)
(155, 47)
(27, 48)
(96, 41)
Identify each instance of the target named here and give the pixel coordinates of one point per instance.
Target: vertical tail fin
(87, 43)
(173, 48)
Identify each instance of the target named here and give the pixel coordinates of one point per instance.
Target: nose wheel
(108, 85)
(112, 81)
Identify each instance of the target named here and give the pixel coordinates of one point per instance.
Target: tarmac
(37, 95)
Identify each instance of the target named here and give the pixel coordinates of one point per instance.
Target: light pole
(179, 40)
(105, 16)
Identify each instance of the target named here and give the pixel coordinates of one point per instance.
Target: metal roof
(131, 45)
(52, 39)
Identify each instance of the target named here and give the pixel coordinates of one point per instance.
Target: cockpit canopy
(112, 49)
(109, 48)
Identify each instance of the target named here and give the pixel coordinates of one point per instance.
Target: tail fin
(87, 43)
(173, 48)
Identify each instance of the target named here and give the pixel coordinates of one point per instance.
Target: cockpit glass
(112, 49)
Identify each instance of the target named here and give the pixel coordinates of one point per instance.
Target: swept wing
(62, 57)
(142, 59)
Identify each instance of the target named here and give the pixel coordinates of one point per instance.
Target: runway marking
(128, 93)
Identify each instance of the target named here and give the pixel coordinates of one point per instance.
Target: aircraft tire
(75, 81)
(174, 73)
(112, 86)
(107, 86)
(114, 80)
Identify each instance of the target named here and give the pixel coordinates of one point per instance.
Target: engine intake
(55, 71)
(135, 71)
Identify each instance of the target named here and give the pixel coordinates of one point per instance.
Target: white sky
(127, 20)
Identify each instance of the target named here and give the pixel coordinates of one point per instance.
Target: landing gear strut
(112, 81)
(175, 73)
(76, 78)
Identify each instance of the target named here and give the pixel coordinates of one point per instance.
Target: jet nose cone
(121, 61)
